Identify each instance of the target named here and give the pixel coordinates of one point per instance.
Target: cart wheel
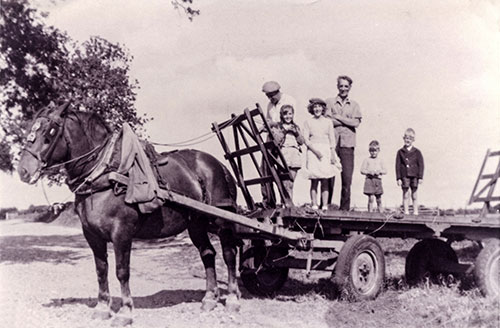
(360, 268)
(257, 273)
(487, 268)
(428, 259)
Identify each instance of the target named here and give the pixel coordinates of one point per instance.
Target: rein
(89, 153)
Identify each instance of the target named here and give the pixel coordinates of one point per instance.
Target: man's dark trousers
(346, 155)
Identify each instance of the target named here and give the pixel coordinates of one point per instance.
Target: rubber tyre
(423, 260)
(258, 276)
(360, 269)
(487, 269)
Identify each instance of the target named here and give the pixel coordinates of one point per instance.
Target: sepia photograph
(258, 163)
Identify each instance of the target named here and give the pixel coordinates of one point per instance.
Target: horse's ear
(61, 110)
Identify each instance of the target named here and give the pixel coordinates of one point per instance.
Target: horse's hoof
(232, 303)
(103, 315)
(101, 311)
(210, 301)
(208, 305)
(123, 317)
(121, 321)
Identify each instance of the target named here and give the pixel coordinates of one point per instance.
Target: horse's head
(44, 144)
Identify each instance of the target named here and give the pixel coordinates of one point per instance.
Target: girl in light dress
(290, 142)
(322, 160)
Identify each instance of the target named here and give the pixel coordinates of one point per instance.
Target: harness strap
(100, 167)
(48, 154)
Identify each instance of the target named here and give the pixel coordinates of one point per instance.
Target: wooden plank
(265, 179)
(273, 229)
(249, 150)
(247, 144)
(237, 119)
(488, 199)
(234, 166)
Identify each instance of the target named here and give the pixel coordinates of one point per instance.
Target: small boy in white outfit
(373, 168)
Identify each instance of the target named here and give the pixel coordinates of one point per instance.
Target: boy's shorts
(411, 182)
(373, 186)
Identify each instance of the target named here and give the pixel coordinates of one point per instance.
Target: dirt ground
(47, 279)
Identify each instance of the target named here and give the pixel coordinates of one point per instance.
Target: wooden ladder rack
(489, 188)
(270, 166)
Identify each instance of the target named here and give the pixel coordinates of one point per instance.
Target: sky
(432, 66)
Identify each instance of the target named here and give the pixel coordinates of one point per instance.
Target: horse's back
(218, 185)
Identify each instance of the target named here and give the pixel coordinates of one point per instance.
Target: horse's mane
(93, 124)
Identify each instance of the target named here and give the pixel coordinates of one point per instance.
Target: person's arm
(341, 120)
(364, 168)
(299, 136)
(420, 159)
(382, 169)
(398, 169)
(350, 122)
(333, 142)
(331, 112)
(307, 141)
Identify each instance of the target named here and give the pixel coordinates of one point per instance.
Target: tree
(40, 64)
(186, 6)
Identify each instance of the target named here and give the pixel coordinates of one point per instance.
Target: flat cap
(314, 101)
(270, 86)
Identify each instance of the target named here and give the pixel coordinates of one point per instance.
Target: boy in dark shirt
(409, 170)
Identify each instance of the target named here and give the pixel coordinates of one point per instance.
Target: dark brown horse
(77, 140)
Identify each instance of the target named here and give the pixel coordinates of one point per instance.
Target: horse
(62, 136)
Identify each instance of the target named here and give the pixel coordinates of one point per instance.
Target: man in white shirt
(277, 99)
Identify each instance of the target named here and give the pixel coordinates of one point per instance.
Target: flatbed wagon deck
(388, 224)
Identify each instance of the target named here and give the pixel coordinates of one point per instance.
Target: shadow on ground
(53, 249)
(161, 299)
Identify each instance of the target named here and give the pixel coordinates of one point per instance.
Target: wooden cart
(343, 242)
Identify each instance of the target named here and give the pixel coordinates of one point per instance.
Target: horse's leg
(98, 246)
(197, 229)
(229, 246)
(122, 247)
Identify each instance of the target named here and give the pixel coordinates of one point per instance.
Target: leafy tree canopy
(40, 64)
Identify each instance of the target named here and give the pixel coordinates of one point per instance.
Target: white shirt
(273, 111)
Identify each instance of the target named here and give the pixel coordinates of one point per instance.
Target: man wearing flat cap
(346, 117)
(277, 99)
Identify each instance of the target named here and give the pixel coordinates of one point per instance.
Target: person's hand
(318, 155)
(333, 158)
(400, 182)
(420, 181)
